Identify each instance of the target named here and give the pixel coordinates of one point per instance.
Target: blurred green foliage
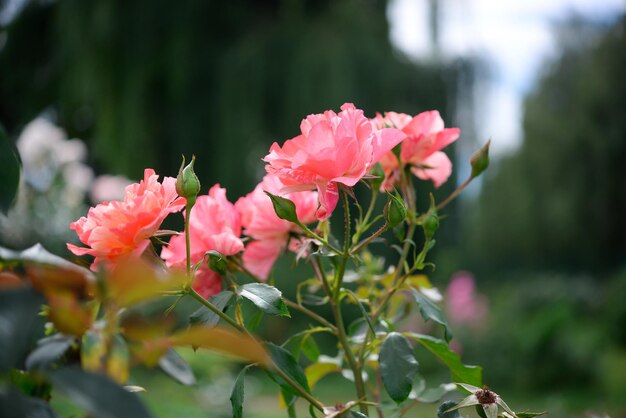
(147, 81)
(558, 203)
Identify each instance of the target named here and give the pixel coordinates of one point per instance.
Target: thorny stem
(335, 304)
(368, 239)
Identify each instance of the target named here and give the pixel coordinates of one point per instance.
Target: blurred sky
(514, 36)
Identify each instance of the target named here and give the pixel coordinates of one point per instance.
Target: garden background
(543, 235)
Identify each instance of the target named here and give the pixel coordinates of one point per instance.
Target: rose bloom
(270, 233)
(214, 224)
(116, 229)
(425, 137)
(332, 148)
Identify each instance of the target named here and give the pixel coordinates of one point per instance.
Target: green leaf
(430, 310)
(284, 208)
(20, 325)
(48, 350)
(265, 297)
(471, 375)
(529, 414)
(205, 316)
(444, 407)
(176, 367)
(283, 360)
(10, 169)
(97, 394)
(398, 366)
(237, 395)
(14, 404)
(356, 414)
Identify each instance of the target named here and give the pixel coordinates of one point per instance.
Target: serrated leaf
(283, 360)
(471, 375)
(398, 366)
(10, 171)
(316, 371)
(176, 367)
(205, 316)
(97, 394)
(267, 298)
(237, 394)
(223, 341)
(430, 310)
(48, 350)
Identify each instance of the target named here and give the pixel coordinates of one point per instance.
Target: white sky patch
(513, 37)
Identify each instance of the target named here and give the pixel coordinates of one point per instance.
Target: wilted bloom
(425, 137)
(332, 148)
(214, 224)
(119, 228)
(270, 233)
(464, 305)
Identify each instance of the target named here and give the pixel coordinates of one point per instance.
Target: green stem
(356, 369)
(215, 310)
(363, 225)
(368, 239)
(455, 193)
(313, 235)
(188, 241)
(317, 404)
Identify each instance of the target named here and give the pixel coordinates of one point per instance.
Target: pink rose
(333, 148)
(214, 224)
(119, 228)
(270, 233)
(425, 137)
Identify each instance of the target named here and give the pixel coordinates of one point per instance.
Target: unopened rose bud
(480, 160)
(395, 211)
(187, 183)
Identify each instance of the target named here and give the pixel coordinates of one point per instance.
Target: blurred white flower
(106, 188)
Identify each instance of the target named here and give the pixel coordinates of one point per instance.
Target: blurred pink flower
(214, 224)
(425, 137)
(332, 148)
(464, 306)
(119, 228)
(270, 233)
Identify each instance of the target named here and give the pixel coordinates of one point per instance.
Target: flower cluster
(333, 150)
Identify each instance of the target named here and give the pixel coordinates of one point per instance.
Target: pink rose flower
(214, 224)
(332, 148)
(116, 229)
(270, 233)
(425, 137)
